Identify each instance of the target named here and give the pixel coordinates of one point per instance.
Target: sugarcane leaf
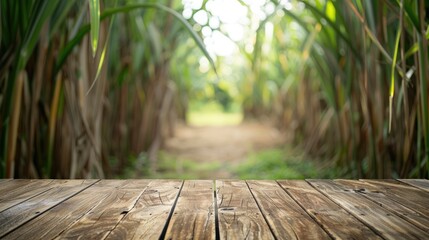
(410, 13)
(392, 78)
(60, 15)
(94, 7)
(321, 14)
(65, 52)
(415, 47)
(103, 55)
(44, 11)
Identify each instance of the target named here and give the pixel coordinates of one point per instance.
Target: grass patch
(169, 166)
(282, 164)
(212, 114)
(277, 163)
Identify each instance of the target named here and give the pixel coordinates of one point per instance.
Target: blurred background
(249, 89)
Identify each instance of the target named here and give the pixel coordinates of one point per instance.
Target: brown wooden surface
(285, 217)
(23, 191)
(193, 216)
(221, 209)
(238, 214)
(419, 183)
(403, 200)
(15, 216)
(6, 187)
(148, 218)
(404, 194)
(103, 218)
(333, 218)
(383, 221)
(50, 224)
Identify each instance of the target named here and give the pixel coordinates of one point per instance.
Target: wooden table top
(220, 209)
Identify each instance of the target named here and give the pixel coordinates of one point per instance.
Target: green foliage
(344, 101)
(174, 168)
(278, 163)
(42, 40)
(94, 9)
(281, 164)
(348, 79)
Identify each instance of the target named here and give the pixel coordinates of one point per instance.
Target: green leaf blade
(94, 7)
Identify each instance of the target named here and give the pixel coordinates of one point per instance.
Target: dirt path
(224, 145)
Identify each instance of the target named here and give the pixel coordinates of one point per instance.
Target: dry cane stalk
(13, 125)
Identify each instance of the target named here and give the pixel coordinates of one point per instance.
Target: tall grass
(84, 86)
(362, 96)
(66, 83)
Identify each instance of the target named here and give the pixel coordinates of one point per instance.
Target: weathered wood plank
(53, 222)
(16, 184)
(124, 184)
(103, 218)
(132, 209)
(286, 218)
(334, 219)
(23, 192)
(193, 216)
(238, 214)
(384, 222)
(17, 215)
(406, 201)
(414, 198)
(418, 183)
(148, 218)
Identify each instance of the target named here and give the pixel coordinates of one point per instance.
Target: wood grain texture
(418, 183)
(25, 189)
(124, 184)
(148, 218)
(334, 219)
(50, 224)
(403, 200)
(103, 218)
(403, 193)
(286, 218)
(384, 222)
(176, 209)
(14, 185)
(193, 216)
(17, 215)
(238, 214)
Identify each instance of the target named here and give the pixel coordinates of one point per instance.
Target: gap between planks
(32, 207)
(380, 219)
(422, 184)
(289, 193)
(164, 230)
